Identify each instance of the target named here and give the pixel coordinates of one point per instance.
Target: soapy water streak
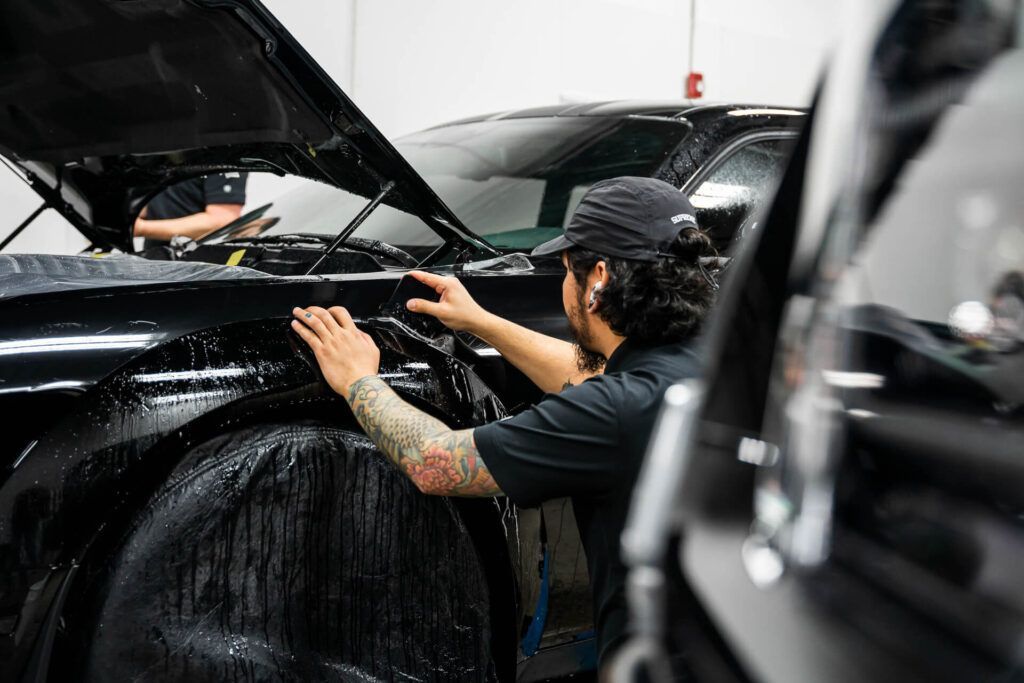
(294, 553)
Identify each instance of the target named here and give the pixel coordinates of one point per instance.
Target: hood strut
(24, 224)
(353, 225)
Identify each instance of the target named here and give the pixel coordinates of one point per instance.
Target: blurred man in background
(192, 208)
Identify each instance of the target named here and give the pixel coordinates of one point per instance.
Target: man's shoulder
(679, 360)
(679, 357)
(588, 389)
(647, 373)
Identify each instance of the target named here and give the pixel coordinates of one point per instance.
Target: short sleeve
(566, 445)
(225, 188)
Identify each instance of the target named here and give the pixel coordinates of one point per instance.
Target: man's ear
(603, 276)
(599, 277)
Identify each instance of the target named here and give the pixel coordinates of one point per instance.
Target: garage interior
(258, 449)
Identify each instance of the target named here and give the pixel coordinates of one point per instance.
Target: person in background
(192, 208)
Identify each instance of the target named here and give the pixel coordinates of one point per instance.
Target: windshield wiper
(290, 238)
(353, 225)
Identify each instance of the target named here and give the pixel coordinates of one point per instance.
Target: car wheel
(292, 552)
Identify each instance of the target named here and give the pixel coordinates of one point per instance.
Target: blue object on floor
(531, 641)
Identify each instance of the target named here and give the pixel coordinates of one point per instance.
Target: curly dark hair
(656, 302)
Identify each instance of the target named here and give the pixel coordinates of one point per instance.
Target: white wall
(763, 52)
(47, 234)
(409, 64)
(423, 63)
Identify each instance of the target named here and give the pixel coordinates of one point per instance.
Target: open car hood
(104, 102)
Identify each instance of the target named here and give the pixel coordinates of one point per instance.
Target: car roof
(614, 108)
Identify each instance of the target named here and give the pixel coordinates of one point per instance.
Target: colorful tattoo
(440, 461)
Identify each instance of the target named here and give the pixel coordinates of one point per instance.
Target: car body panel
(92, 425)
(84, 476)
(108, 328)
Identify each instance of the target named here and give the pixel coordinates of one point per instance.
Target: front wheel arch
(291, 550)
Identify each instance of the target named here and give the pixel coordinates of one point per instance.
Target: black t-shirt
(194, 195)
(587, 443)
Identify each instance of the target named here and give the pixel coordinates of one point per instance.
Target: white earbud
(593, 293)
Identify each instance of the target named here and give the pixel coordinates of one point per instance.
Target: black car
(182, 497)
(841, 497)
(515, 178)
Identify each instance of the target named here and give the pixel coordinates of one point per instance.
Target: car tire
(292, 552)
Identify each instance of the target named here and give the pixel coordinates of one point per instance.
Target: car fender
(81, 481)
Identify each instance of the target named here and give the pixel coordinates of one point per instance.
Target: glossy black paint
(215, 357)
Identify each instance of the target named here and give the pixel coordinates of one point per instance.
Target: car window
(738, 185)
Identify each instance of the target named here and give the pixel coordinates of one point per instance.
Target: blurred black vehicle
(181, 497)
(842, 498)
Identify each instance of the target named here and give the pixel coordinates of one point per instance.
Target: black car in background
(182, 497)
(841, 498)
(514, 179)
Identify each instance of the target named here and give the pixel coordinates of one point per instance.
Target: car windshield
(514, 182)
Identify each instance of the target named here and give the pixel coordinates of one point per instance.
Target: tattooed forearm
(439, 461)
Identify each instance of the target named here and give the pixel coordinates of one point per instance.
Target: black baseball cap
(633, 218)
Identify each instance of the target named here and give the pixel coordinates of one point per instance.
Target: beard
(579, 328)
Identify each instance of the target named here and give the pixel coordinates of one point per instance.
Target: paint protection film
(22, 274)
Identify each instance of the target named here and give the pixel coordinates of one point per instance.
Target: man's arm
(550, 363)
(440, 461)
(215, 216)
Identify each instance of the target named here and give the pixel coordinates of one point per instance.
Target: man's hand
(344, 352)
(549, 362)
(439, 461)
(456, 309)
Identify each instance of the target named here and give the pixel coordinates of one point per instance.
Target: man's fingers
(314, 322)
(330, 324)
(423, 306)
(438, 282)
(307, 335)
(342, 317)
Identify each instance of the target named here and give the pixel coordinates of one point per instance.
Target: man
(634, 293)
(193, 208)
